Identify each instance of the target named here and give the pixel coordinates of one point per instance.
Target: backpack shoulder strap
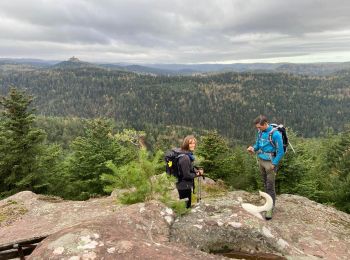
(180, 155)
(270, 136)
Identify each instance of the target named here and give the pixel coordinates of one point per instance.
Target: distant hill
(204, 68)
(149, 70)
(74, 63)
(32, 62)
(228, 102)
(314, 69)
(319, 69)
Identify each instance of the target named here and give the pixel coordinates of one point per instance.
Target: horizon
(156, 63)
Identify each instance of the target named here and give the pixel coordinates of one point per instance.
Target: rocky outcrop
(100, 228)
(300, 228)
(26, 215)
(140, 231)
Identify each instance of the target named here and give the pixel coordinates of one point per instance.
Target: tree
(293, 167)
(340, 173)
(88, 160)
(21, 144)
(213, 148)
(143, 179)
(137, 177)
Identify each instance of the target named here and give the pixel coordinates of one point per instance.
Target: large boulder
(139, 231)
(300, 228)
(26, 215)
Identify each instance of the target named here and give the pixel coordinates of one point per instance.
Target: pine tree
(87, 162)
(341, 174)
(213, 148)
(20, 144)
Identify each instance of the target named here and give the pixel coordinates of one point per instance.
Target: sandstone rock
(300, 228)
(42, 215)
(100, 228)
(138, 231)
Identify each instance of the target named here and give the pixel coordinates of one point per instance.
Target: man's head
(261, 122)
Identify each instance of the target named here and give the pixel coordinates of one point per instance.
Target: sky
(176, 31)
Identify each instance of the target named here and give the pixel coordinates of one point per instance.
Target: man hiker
(269, 148)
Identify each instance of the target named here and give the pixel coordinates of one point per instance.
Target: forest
(80, 133)
(225, 102)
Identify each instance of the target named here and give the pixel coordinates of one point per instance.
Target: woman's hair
(186, 142)
(261, 120)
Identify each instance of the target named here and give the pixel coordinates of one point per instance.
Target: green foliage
(142, 180)
(62, 130)
(72, 159)
(136, 177)
(218, 188)
(88, 160)
(293, 166)
(340, 171)
(233, 166)
(130, 136)
(21, 144)
(226, 102)
(50, 168)
(177, 205)
(214, 149)
(243, 172)
(319, 170)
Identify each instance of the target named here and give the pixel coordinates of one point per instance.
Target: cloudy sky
(176, 31)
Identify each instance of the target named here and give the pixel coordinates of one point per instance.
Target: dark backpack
(171, 159)
(283, 131)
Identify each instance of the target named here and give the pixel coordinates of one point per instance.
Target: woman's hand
(200, 172)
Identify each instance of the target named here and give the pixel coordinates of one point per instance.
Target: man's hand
(250, 149)
(274, 168)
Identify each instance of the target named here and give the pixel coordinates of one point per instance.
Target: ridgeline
(228, 102)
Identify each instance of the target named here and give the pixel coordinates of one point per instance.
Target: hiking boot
(268, 214)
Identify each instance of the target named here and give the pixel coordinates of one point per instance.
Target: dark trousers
(183, 194)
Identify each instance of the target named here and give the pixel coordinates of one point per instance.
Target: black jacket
(187, 173)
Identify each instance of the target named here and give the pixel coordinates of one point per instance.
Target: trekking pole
(199, 190)
(291, 146)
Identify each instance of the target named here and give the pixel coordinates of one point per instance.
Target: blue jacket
(265, 149)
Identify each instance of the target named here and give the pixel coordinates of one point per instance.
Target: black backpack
(171, 159)
(283, 131)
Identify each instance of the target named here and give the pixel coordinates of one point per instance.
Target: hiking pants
(183, 194)
(268, 177)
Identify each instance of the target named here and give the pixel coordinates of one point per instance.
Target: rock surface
(140, 231)
(299, 228)
(27, 215)
(100, 228)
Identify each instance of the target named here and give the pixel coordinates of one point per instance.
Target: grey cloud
(174, 31)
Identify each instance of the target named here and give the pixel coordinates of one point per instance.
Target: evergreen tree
(293, 166)
(21, 144)
(136, 177)
(340, 173)
(143, 179)
(213, 148)
(88, 161)
(234, 166)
